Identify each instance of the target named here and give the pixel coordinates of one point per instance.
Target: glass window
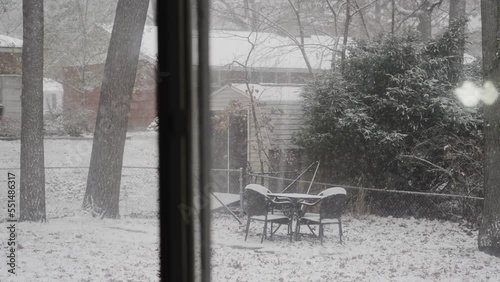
(377, 116)
(268, 77)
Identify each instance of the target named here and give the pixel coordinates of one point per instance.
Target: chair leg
(264, 232)
(321, 230)
(312, 231)
(274, 231)
(248, 225)
(340, 231)
(297, 227)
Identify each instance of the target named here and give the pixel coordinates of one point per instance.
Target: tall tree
(32, 180)
(489, 231)
(103, 182)
(457, 24)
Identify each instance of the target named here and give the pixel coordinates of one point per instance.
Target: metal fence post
(241, 191)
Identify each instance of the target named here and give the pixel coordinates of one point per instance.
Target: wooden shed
(278, 110)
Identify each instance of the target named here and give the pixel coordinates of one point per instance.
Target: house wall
(10, 97)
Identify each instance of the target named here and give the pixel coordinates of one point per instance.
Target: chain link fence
(65, 190)
(362, 200)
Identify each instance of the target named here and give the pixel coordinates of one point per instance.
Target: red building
(82, 84)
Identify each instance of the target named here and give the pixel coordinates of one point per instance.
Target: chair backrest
(333, 206)
(257, 203)
(258, 188)
(332, 191)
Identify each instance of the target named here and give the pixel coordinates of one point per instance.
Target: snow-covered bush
(10, 127)
(78, 121)
(390, 120)
(153, 126)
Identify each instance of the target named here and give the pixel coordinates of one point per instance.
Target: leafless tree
(423, 13)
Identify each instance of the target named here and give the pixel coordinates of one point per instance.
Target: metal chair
(332, 206)
(258, 207)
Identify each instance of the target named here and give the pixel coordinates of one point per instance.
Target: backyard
(74, 246)
(374, 249)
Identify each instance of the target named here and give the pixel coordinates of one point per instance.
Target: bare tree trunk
(424, 15)
(103, 182)
(393, 19)
(301, 46)
(489, 231)
(425, 23)
(457, 21)
(32, 180)
(378, 14)
(346, 34)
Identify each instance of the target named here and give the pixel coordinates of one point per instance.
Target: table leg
(296, 211)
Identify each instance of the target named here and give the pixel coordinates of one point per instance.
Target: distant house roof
(149, 43)
(270, 50)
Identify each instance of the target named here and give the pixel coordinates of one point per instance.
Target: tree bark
(32, 179)
(457, 21)
(301, 46)
(424, 15)
(103, 182)
(489, 231)
(346, 34)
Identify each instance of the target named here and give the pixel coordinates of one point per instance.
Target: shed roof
(149, 43)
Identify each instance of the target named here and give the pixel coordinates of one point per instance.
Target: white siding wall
(10, 89)
(285, 125)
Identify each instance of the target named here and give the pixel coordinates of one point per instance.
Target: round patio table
(295, 199)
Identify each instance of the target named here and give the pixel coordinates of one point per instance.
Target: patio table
(295, 199)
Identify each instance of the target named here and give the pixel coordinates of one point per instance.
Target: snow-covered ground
(374, 249)
(72, 245)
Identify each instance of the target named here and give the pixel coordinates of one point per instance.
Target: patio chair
(258, 207)
(332, 206)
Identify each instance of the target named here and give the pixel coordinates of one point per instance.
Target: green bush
(391, 121)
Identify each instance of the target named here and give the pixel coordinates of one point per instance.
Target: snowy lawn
(374, 249)
(72, 245)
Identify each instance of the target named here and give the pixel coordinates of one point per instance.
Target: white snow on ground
(374, 249)
(72, 245)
